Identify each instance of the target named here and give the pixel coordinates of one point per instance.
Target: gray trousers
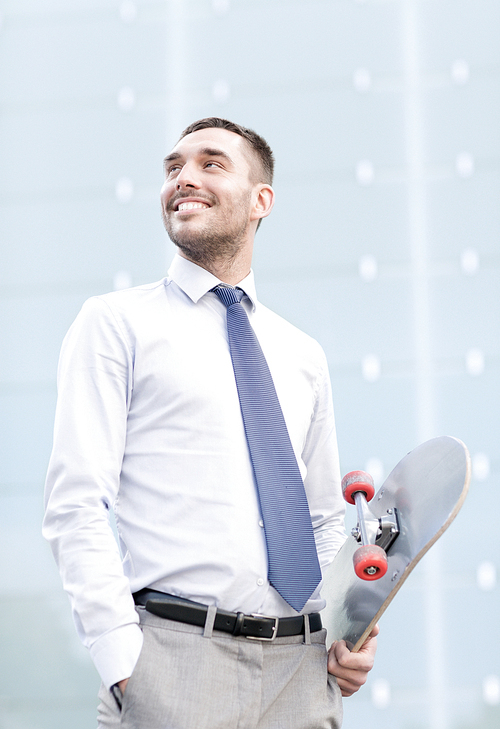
(193, 678)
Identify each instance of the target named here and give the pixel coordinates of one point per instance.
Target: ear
(263, 202)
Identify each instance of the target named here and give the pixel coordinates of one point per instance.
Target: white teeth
(191, 206)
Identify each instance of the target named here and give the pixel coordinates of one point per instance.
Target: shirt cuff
(116, 653)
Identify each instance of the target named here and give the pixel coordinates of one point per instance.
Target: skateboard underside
(427, 488)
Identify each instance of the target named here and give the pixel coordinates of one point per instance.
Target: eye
(173, 169)
(212, 164)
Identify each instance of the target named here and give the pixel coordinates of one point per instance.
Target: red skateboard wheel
(357, 481)
(370, 562)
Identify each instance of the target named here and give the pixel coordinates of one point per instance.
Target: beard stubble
(219, 240)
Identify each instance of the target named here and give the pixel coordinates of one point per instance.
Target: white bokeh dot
(375, 468)
(371, 367)
(460, 72)
(221, 7)
(124, 190)
(474, 362)
(221, 91)
(365, 173)
(464, 165)
(128, 11)
(480, 466)
(381, 693)
(122, 280)
(126, 99)
(486, 576)
(368, 268)
(362, 80)
(491, 690)
(469, 261)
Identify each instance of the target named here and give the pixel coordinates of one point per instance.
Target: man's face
(208, 194)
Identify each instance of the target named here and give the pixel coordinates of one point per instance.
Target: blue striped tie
(294, 569)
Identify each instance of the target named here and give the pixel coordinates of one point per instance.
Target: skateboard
(396, 527)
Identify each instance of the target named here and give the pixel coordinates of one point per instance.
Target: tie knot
(229, 296)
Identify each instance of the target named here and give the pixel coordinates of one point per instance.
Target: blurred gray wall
(384, 244)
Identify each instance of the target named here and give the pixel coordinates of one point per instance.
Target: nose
(187, 178)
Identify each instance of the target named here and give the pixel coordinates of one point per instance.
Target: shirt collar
(196, 281)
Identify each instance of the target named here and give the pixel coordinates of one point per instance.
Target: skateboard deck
(427, 489)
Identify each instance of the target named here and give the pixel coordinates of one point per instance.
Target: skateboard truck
(376, 535)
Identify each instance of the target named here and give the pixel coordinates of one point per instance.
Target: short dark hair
(257, 143)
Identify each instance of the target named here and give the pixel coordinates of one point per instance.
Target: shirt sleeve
(322, 481)
(94, 389)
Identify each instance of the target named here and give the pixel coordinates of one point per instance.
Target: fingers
(351, 669)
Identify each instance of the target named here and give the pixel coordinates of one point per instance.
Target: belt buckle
(275, 627)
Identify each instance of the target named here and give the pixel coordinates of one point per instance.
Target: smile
(182, 206)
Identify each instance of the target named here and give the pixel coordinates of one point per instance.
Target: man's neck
(230, 272)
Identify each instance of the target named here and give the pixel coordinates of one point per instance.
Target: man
(153, 422)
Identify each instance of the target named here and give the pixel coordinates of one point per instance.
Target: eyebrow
(205, 152)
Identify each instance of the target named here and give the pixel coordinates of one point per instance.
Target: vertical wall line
(176, 65)
(424, 380)
(176, 75)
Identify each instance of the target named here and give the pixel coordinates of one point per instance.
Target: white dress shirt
(148, 423)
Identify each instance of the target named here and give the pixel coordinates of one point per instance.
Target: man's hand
(351, 669)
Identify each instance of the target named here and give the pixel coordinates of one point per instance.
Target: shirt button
(261, 523)
(260, 582)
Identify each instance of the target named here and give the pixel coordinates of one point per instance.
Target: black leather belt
(257, 627)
